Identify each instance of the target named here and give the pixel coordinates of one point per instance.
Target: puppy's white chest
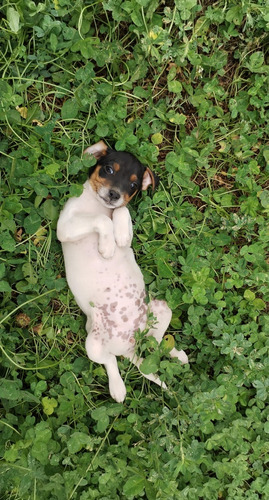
(94, 279)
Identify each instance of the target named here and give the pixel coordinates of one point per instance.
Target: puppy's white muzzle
(110, 198)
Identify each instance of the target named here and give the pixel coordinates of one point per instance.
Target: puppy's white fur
(106, 281)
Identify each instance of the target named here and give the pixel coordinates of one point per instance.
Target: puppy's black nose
(113, 195)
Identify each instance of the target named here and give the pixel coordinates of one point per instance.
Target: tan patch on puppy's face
(116, 167)
(127, 198)
(96, 181)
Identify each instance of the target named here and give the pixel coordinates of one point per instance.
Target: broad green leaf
(7, 242)
(9, 389)
(259, 304)
(249, 295)
(157, 138)
(75, 189)
(50, 210)
(266, 427)
(69, 109)
(29, 273)
(256, 60)
(177, 118)
(186, 4)
(11, 454)
(150, 364)
(53, 41)
(264, 197)
(174, 86)
(32, 222)
(100, 415)
(77, 441)
(134, 486)
(40, 452)
(13, 18)
(235, 15)
(165, 269)
(52, 169)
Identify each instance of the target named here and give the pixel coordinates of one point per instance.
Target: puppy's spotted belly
(117, 312)
(110, 292)
(116, 321)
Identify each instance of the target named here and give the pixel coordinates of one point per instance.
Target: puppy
(95, 230)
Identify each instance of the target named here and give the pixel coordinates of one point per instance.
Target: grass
(184, 87)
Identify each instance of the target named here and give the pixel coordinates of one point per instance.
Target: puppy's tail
(153, 378)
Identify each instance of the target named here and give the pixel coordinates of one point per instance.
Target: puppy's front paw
(123, 239)
(123, 230)
(107, 247)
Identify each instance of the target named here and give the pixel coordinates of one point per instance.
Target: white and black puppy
(95, 230)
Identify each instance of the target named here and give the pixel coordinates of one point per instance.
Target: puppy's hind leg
(163, 314)
(97, 353)
(151, 376)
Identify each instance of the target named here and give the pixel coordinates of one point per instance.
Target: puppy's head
(117, 176)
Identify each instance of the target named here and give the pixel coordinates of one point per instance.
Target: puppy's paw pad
(117, 391)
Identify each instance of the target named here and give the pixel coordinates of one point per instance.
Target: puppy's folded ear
(99, 149)
(149, 178)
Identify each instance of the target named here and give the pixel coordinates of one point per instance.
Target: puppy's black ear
(98, 150)
(149, 178)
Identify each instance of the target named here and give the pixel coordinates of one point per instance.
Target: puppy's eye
(108, 170)
(133, 185)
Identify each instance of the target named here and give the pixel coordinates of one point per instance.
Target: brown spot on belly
(111, 323)
(141, 318)
(104, 309)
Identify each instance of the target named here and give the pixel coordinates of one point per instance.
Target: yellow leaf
(222, 146)
(22, 110)
(153, 35)
(157, 138)
(49, 404)
(36, 122)
(40, 235)
(168, 342)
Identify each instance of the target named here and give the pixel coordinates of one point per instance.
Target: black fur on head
(121, 169)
